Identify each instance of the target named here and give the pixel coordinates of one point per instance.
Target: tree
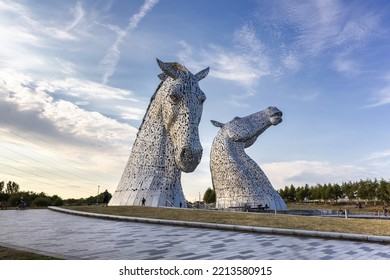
(1, 186)
(41, 201)
(209, 196)
(350, 190)
(12, 188)
(383, 191)
(57, 201)
(284, 193)
(300, 193)
(292, 193)
(327, 192)
(337, 192)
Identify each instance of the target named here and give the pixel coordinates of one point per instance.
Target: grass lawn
(358, 226)
(12, 254)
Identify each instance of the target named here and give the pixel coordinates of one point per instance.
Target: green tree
(209, 196)
(307, 191)
(373, 192)
(300, 194)
(337, 192)
(41, 201)
(292, 193)
(350, 190)
(57, 201)
(282, 193)
(12, 188)
(383, 191)
(1, 186)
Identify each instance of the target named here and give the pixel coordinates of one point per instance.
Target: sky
(76, 78)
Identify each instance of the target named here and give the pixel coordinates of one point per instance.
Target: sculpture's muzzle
(189, 158)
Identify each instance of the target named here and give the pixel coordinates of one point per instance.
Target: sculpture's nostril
(186, 154)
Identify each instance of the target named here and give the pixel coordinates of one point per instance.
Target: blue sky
(76, 78)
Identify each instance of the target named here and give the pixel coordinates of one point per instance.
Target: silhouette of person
(105, 198)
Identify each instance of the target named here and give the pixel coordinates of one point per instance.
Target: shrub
(41, 202)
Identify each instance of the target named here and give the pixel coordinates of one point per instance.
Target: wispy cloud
(311, 172)
(347, 66)
(29, 100)
(244, 65)
(382, 96)
(319, 27)
(378, 155)
(291, 61)
(110, 61)
(54, 28)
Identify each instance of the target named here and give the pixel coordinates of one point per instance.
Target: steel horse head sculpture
(167, 141)
(237, 179)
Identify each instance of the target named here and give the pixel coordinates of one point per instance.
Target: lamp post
(97, 198)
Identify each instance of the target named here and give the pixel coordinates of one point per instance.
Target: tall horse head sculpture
(237, 179)
(167, 141)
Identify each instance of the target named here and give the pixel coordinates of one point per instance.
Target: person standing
(105, 198)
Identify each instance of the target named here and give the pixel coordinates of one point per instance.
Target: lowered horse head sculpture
(237, 179)
(167, 141)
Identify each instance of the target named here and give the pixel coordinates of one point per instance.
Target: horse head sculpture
(237, 179)
(167, 141)
(182, 106)
(248, 128)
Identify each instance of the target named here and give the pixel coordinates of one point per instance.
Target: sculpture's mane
(150, 104)
(178, 67)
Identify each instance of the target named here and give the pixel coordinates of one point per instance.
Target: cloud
(378, 155)
(320, 27)
(110, 61)
(291, 61)
(79, 14)
(131, 113)
(29, 100)
(382, 96)
(346, 66)
(244, 65)
(53, 28)
(84, 89)
(312, 172)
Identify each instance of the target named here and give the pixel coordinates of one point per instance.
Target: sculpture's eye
(202, 99)
(174, 98)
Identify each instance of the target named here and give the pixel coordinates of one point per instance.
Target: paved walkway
(76, 237)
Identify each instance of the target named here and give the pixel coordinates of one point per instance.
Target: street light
(97, 198)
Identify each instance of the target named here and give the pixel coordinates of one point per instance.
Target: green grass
(358, 226)
(12, 254)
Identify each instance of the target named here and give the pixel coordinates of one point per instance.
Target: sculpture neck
(227, 150)
(153, 148)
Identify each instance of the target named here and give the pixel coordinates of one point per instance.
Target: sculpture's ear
(217, 124)
(167, 69)
(162, 76)
(202, 74)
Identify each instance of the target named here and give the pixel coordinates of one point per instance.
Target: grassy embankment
(13, 254)
(358, 226)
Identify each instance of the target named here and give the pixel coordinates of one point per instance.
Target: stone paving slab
(77, 237)
(282, 231)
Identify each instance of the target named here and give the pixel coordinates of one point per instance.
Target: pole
(97, 198)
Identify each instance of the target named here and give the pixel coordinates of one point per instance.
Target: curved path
(76, 237)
